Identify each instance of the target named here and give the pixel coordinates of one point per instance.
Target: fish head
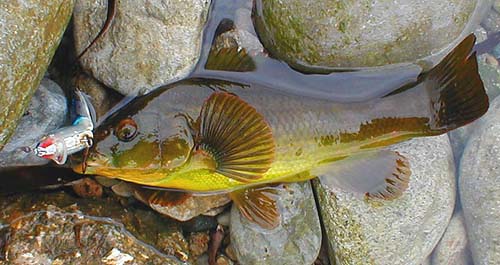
(128, 146)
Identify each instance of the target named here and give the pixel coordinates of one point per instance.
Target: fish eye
(126, 130)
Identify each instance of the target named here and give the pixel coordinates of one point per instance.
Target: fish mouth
(89, 164)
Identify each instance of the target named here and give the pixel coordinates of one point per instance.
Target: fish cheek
(175, 151)
(142, 154)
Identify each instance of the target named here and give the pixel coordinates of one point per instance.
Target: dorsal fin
(258, 205)
(232, 59)
(237, 136)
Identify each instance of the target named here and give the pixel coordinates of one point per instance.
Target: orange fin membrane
(236, 136)
(258, 205)
(382, 174)
(456, 89)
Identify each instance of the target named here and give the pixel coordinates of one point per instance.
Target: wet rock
(479, 192)
(30, 31)
(87, 188)
(47, 111)
(402, 231)
(47, 234)
(452, 248)
(58, 229)
(150, 42)
(178, 205)
(361, 33)
(102, 98)
(239, 38)
(198, 243)
(296, 240)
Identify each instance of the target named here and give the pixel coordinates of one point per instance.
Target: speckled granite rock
(452, 248)
(181, 206)
(55, 228)
(46, 112)
(30, 31)
(479, 189)
(296, 241)
(151, 42)
(102, 98)
(403, 231)
(361, 33)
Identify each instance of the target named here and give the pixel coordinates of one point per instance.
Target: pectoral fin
(236, 136)
(382, 174)
(258, 205)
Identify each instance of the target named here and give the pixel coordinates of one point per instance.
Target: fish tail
(455, 89)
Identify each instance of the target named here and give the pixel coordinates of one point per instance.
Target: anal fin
(258, 205)
(381, 174)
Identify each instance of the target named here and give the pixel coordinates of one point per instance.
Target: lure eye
(126, 130)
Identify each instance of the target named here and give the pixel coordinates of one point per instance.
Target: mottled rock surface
(403, 231)
(30, 31)
(452, 248)
(150, 43)
(297, 240)
(356, 33)
(181, 206)
(55, 228)
(479, 189)
(46, 112)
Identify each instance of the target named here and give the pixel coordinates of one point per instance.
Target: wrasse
(209, 136)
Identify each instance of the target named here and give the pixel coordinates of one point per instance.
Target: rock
(102, 98)
(178, 205)
(30, 31)
(198, 243)
(58, 229)
(47, 111)
(402, 231)
(452, 248)
(296, 240)
(239, 38)
(479, 192)
(200, 223)
(87, 188)
(490, 74)
(361, 33)
(150, 42)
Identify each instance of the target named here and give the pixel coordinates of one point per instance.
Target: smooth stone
(362, 33)
(452, 248)
(47, 111)
(297, 240)
(56, 228)
(479, 189)
(178, 205)
(101, 97)
(402, 231)
(150, 43)
(30, 31)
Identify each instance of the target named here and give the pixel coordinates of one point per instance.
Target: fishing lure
(58, 145)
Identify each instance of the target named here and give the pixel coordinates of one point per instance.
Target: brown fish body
(206, 135)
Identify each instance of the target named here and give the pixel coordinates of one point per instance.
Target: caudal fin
(456, 89)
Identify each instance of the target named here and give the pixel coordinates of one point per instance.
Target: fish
(207, 136)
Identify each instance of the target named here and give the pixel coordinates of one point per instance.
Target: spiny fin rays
(237, 136)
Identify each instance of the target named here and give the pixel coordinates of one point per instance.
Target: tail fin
(456, 89)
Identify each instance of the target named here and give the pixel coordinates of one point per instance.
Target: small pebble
(198, 243)
(87, 188)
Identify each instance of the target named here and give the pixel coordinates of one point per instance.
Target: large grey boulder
(149, 43)
(402, 231)
(30, 31)
(479, 189)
